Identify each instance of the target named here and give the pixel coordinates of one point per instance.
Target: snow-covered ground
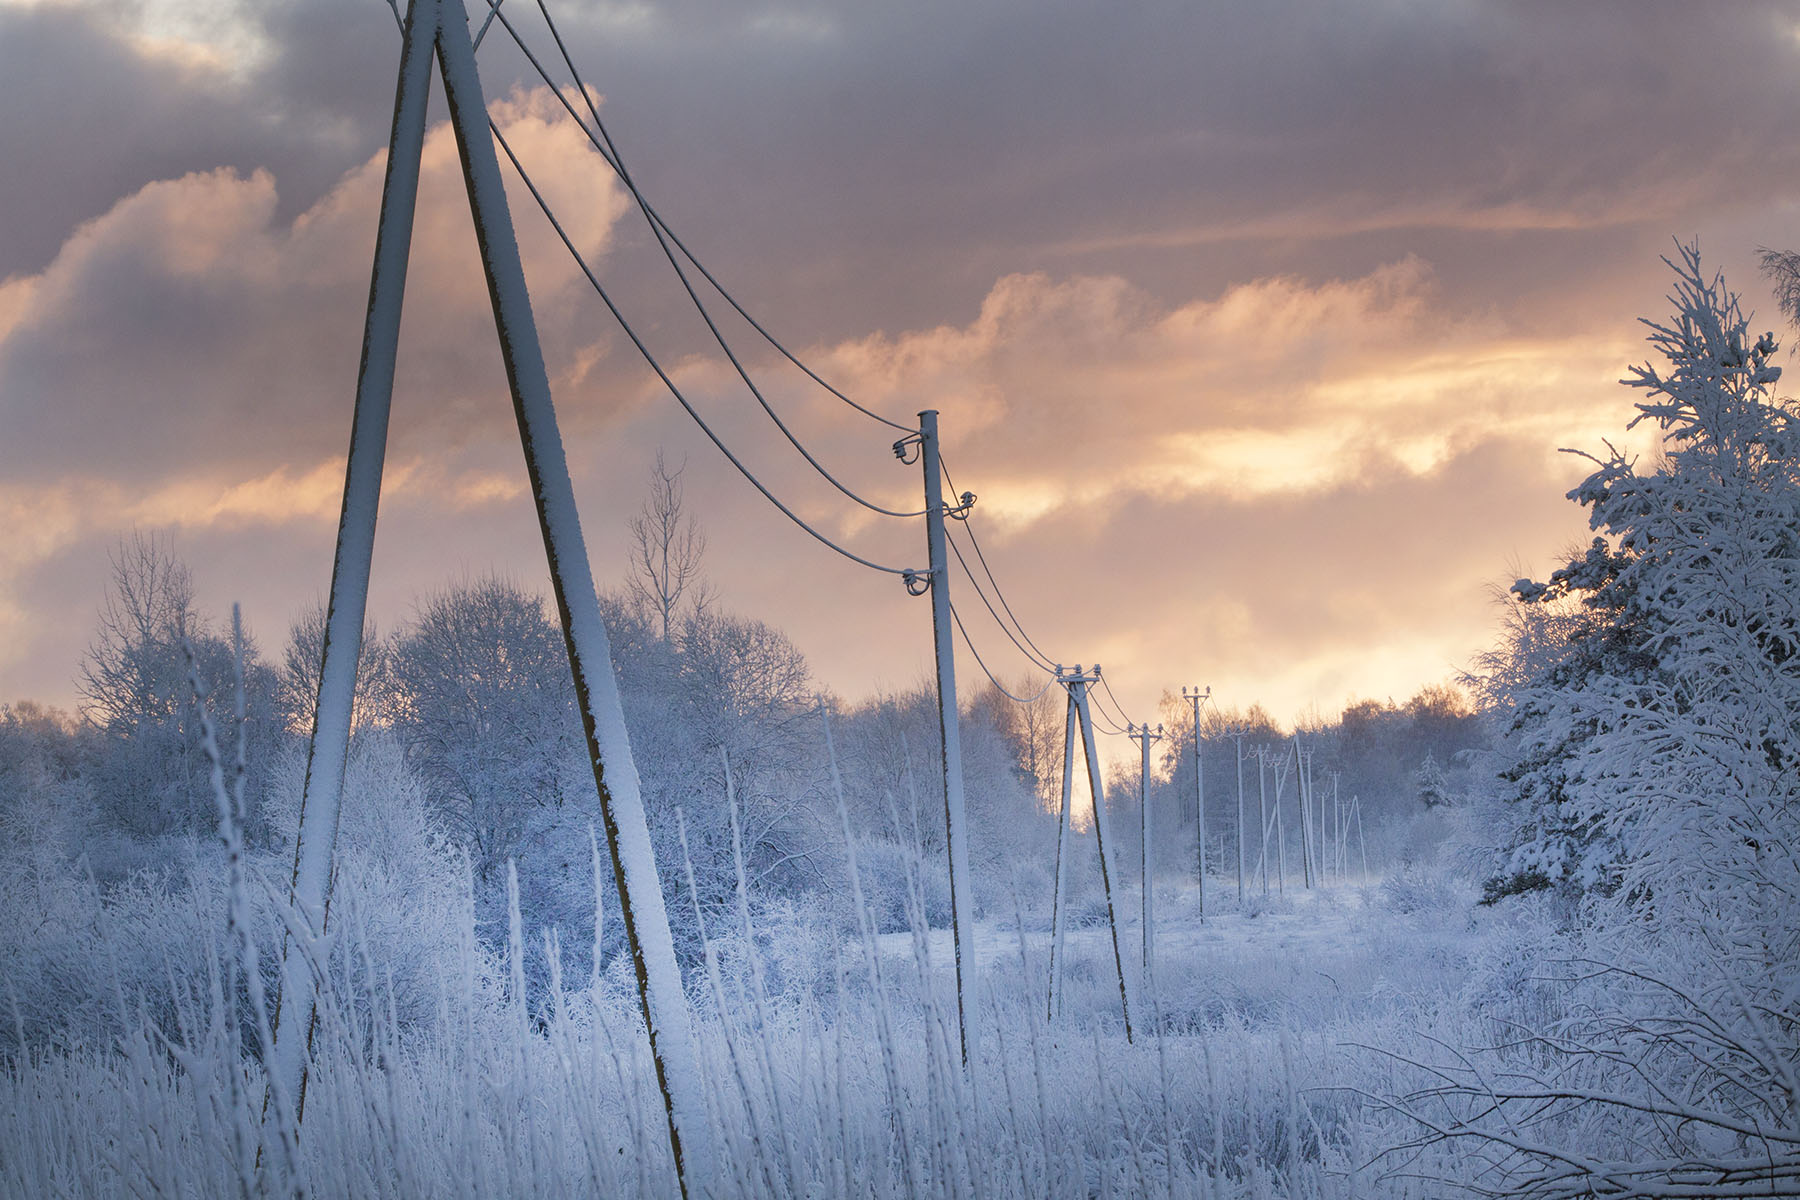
(1248, 1075)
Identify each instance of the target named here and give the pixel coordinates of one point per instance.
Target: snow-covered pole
(665, 1008)
(1280, 770)
(322, 793)
(1194, 698)
(1262, 808)
(1362, 842)
(1145, 737)
(1064, 833)
(1304, 759)
(1237, 738)
(1079, 690)
(962, 899)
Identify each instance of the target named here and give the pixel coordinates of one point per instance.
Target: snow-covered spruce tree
(1658, 777)
(1663, 735)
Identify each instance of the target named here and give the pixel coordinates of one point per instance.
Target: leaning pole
(309, 894)
(646, 921)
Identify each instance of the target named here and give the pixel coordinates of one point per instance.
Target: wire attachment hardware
(917, 582)
(913, 440)
(961, 511)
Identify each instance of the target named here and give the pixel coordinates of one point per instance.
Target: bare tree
(297, 687)
(1782, 267)
(149, 775)
(666, 547)
(133, 672)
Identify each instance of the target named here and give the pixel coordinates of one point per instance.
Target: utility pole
(1142, 735)
(1194, 698)
(1338, 860)
(962, 898)
(1303, 758)
(440, 28)
(1077, 684)
(1262, 806)
(1237, 739)
(1059, 902)
(1362, 842)
(1280, 769)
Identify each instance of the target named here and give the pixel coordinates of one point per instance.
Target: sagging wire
(1000, 687)
(665, 236)
(1042, 658)
(663, 375)
(974, 583)
(1118, 709)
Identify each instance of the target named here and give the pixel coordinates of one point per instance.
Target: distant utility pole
(1194, 698)
(1064, 834)
(1143, 735)
(1237, 738)
(1077, 684)
(1280, 769)
(1304, 760)
(1262, 809)
(1337, 832)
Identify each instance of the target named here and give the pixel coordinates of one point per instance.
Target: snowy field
(832, 1071)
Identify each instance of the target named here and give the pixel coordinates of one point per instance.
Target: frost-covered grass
(832, 1072)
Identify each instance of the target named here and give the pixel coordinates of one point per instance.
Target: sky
(1256, 327)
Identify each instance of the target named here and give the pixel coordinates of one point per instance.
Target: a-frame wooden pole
(443, 25)
(1078, 689)
(321, 795)
(665, 1008)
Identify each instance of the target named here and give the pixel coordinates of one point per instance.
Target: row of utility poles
(1324, 833)
(435, 34)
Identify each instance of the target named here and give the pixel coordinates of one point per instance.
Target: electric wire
(493, 11)
(1002, 688)
(662, 240)
(1101, 720)
(609, 152)
(1000, 595)
(1043, 659)
(663, 375)
(1118, 709)
(976, 584)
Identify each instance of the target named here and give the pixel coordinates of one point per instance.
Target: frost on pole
(1102, 834)
(444, 25)
(315, 840)
(962, 898)
(646, 920)
(1059, 901)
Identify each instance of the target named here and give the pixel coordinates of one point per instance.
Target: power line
(1100, 718)
(976, 584)
(984, 670)
(1118, 709)
(660, 227)
(968, 527)
(618, 164)
(662, 374)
